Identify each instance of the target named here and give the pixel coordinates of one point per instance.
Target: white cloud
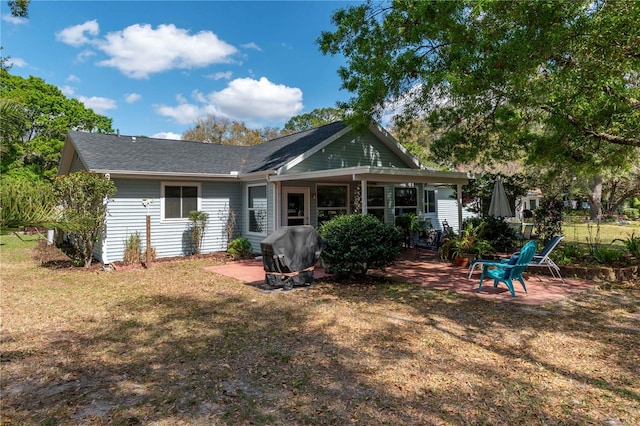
(251, 45)
(75, 35)
(220, 75)
(244, 99)
(16, 20)
(16, 62)
(184, 113)
(140, 50)
(132, 97)
(68, 90)
(84, 55)
(198, 96)
(167, 135)
(98, 104)
(73, 78)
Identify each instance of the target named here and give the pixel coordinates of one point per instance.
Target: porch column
(459, 198)
(363, 194)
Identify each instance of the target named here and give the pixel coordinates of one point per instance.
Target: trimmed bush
(355, 243)
(240, 247)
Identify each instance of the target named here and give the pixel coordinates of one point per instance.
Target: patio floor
(431, 273)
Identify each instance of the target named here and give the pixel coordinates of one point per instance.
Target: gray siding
(127, 215)
(350, 151)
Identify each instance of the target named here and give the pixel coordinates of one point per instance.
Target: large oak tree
(40, 116)
(556, 83)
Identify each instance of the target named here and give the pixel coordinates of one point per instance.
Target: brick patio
(431, 273)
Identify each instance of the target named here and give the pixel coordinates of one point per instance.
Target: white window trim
(435, 201)
(249, 209)
(198, 185)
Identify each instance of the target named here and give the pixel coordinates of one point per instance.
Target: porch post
(363, 194)
(459, 198)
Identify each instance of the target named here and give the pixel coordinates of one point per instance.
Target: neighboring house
(530, 201)
(304, 178)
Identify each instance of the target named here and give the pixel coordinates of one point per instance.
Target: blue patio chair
(507, 272)
(542, 259)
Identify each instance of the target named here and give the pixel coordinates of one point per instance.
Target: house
(303, 178)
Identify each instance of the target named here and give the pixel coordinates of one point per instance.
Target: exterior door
(295, 206)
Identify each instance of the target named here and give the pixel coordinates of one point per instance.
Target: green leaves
(39, 120)
(555, 82)
(83, 199)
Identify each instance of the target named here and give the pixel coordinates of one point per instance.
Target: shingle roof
(123, 153)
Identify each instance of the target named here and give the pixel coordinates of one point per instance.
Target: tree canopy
(550, 81)
(36, 117)
(316, 118)
(220, 130)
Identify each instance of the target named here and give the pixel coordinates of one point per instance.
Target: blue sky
(154, 67)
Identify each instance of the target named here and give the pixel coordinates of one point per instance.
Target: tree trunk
(595, 199)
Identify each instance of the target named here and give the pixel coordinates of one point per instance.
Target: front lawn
(176, 344)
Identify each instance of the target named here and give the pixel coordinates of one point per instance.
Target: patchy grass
(583, 233)
(175, 344)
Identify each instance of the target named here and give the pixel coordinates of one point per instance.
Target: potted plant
(468, 244)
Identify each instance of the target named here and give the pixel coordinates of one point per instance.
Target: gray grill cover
(289, 254)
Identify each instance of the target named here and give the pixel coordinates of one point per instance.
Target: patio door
(295, 206)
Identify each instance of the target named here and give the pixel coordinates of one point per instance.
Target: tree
(553, 82)
(212, 129)
(83, 197)
(19, 8)
(35, 144)
(26, 204)
(316, 118)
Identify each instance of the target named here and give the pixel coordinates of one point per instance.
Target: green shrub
(240, 247)
(548, 218)
(497, 232)
(631, 213)
(198, 226)
(632, 243)
(607, 255)
(566, 254)
(355, 243)
(132, 251)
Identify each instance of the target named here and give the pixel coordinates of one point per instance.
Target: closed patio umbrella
(499, 206)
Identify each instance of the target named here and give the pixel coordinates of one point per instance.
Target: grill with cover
(289, 255)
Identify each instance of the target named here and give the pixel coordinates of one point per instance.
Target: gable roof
(151, 157)
(107, 153)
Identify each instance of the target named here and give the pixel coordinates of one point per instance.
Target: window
(429, 201)
(406, 200)
(179, 200)
(332, 201)
(257, 203)
(375, 201)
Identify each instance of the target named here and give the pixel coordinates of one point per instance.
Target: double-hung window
(257, 205)
(376, 201)
(179, 200)
(406, 200)
(332, 201)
